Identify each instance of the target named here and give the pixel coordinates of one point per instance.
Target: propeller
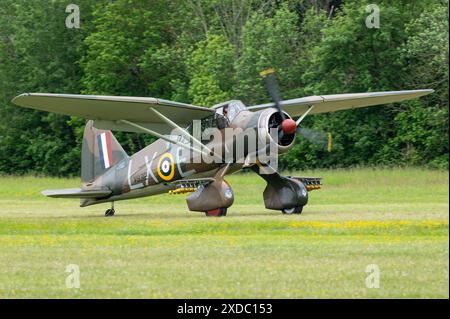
(288, 125)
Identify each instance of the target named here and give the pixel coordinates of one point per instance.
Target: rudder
(100, 151)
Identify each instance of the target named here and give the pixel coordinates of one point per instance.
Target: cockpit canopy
(232, 108)
(219, 120)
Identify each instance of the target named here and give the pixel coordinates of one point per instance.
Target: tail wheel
(218, 212)
(292, 210)
(110, 212)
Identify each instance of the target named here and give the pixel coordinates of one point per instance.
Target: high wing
(337, 102)
(108, 111)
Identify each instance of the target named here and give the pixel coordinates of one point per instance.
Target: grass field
(155, 248)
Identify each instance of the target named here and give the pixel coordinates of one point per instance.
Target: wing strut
(168, 139)
(182, 130)
(304, 114)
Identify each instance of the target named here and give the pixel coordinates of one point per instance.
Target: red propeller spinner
(288, 126)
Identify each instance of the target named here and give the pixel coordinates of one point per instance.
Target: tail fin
(100, 151)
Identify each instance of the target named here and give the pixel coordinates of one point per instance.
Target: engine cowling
(269, 130)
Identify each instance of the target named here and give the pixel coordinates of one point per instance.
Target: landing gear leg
(110, 212)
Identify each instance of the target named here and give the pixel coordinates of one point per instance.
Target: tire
(292, 210)
(218, 212)
(109, 212)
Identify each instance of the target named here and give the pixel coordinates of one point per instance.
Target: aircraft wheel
(109, 212)
(218, 212)
(292, 210)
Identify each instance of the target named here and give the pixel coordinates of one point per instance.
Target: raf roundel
(166, 167)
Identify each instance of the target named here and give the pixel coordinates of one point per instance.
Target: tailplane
(77, 193)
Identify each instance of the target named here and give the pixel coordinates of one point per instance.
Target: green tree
(352, 58)
(38, 54)
(422, 126)
(205, 52)
(126, 55)
(269, 42)
(211, 71)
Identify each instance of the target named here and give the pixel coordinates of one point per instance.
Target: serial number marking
(226, 308)
(247, 308)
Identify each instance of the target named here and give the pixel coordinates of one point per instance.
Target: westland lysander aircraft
(185, 159)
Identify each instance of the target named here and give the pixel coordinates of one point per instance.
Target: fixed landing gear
(110, 212)
(218, 212)
(292, 210)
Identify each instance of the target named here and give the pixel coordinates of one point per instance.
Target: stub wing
(337, 102)
(76, 193)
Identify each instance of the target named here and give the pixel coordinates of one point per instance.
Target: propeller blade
(288, 125)
(272, 86)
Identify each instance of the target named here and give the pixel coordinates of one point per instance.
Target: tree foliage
(210, 68)
(205, 52)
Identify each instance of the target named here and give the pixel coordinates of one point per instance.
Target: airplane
(184, 159)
